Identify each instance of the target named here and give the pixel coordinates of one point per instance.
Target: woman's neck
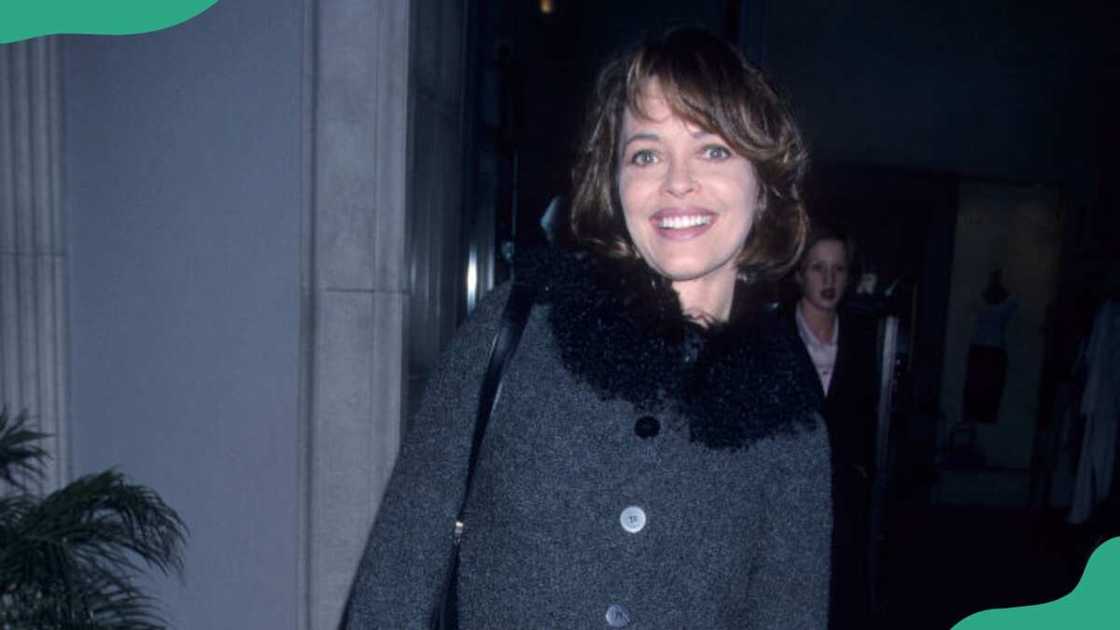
(707, 300)
(821, 322)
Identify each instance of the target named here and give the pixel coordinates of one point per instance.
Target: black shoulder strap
(514, 316)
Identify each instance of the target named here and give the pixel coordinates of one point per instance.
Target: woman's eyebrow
(642, 135)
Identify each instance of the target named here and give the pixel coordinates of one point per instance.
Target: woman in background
(654, 458)
(842, 352)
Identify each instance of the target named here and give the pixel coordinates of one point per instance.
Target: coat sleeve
(789, 586)
(406, 555)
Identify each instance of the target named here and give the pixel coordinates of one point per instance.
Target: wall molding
(32, 247)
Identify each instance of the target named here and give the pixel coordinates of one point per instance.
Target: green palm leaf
(68, 559)
(19, 449)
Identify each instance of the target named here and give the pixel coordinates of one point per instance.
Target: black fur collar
(620, 328)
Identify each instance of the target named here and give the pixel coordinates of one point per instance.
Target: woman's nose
(678, 178)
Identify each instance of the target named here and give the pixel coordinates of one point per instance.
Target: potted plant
(68, 559)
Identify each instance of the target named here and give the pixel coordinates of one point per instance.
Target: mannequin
(986, 371)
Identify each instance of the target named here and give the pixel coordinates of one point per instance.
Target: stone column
(355, 280)
(32, 252)
(383, 271)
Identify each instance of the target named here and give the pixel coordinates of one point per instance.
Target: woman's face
(689, 200)
(823, 275)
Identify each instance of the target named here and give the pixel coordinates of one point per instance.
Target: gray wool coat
(589, 512)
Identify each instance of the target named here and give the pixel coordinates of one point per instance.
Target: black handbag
(445, 613)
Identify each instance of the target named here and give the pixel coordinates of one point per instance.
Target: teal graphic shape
(1093, 604)
(24, 19)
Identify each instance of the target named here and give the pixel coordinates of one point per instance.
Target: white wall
(183, 199)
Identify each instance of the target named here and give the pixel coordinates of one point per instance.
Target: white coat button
(617, 616)
(633, 519)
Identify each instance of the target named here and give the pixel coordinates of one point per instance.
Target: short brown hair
(707, 82)
(823, 231)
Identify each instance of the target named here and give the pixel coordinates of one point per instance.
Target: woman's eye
(643, 157)
(716, 152)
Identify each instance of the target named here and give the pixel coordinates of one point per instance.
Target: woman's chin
(689, 269)
(687, 275)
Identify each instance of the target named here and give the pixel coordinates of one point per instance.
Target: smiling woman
(655, 457)
(688, 201)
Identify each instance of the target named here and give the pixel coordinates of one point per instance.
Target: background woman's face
(689, 201)
(823, 275)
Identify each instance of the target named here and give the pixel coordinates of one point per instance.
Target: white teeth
(682, 222)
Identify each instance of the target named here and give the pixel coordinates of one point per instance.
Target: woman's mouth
(828, 294)
(682, 225)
